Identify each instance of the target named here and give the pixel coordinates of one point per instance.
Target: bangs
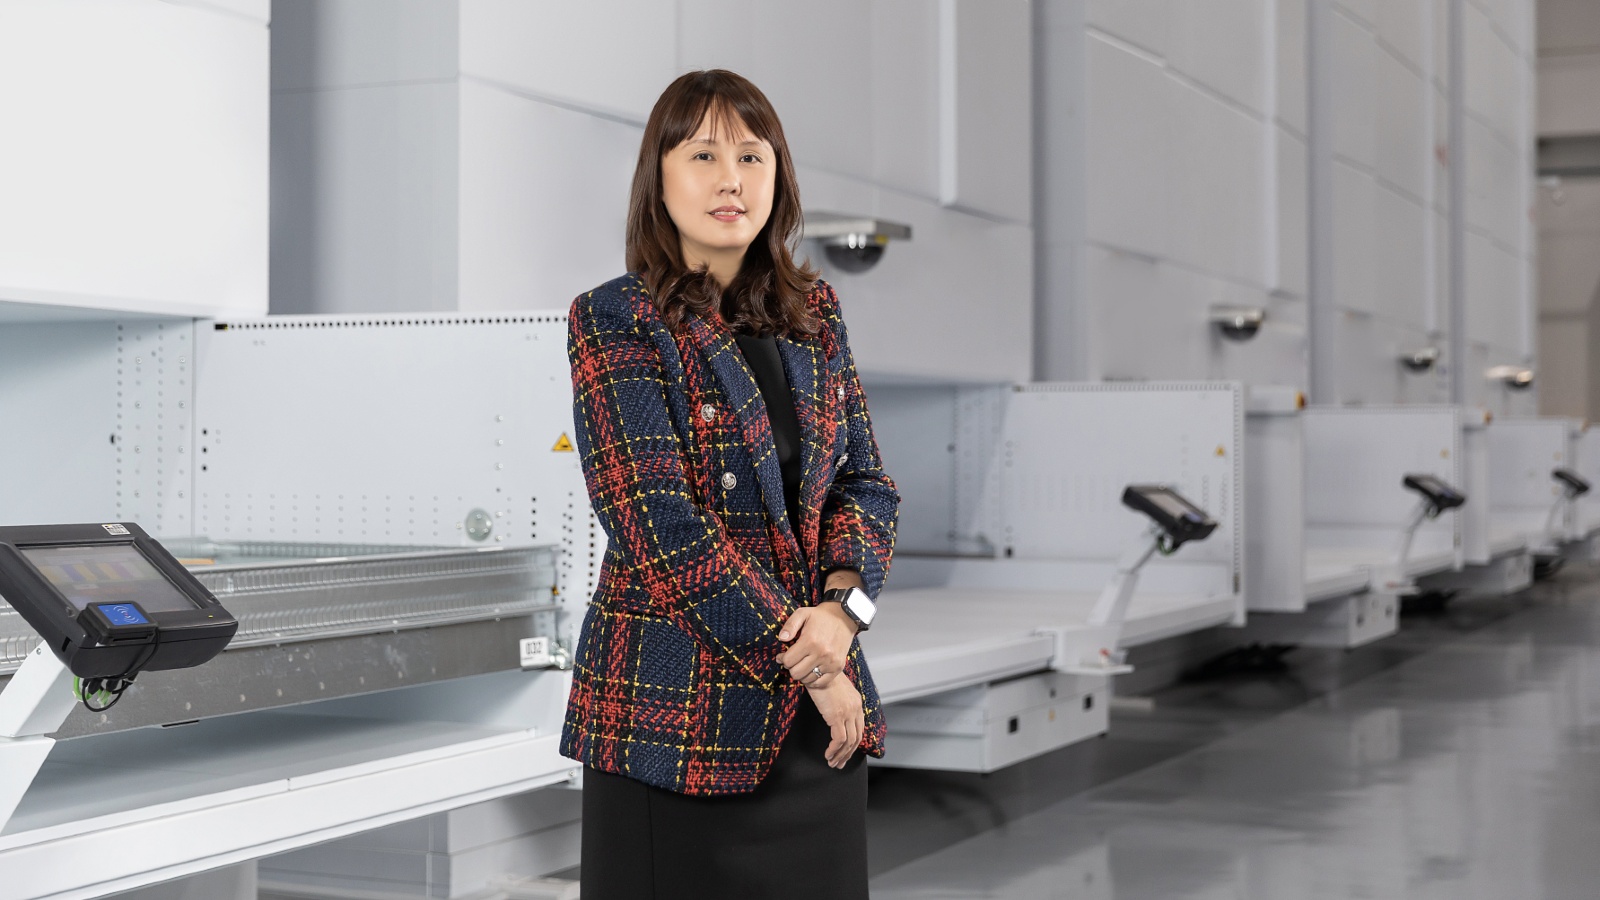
(721, 114)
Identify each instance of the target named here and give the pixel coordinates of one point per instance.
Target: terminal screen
(1170, 504)
(107, 573)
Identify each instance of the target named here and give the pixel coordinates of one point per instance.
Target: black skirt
(802, 833)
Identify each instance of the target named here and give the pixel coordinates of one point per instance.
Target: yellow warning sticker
(563, 444)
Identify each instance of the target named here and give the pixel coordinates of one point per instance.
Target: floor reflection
(1460, 759)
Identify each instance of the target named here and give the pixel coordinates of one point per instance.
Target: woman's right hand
(840, 705)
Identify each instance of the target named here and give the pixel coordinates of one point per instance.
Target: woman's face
(718, 187)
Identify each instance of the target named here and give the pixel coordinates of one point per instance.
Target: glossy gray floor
(1459, 759)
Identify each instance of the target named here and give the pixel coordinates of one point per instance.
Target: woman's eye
(701, 155)
(750, 158)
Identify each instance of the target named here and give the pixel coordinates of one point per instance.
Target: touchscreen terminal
(107, 573)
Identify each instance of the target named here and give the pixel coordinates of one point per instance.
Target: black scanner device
(109, 600)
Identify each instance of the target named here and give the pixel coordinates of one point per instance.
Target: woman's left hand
(821, 636)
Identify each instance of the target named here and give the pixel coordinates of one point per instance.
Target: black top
(761, 355)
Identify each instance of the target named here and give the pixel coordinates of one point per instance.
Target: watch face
(860, 606)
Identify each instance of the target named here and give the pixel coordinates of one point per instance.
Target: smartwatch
(857, 605)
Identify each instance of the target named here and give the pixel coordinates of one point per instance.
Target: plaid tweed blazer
(676, 681)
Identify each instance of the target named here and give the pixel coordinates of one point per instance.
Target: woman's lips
(727, 214)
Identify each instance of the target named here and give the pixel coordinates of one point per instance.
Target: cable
(97, 689)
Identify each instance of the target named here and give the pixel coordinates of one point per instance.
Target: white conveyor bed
(931, 640)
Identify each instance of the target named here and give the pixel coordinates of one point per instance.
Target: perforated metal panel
(1068, 450)
(1357, 458)
(443, 430)
(97, 421)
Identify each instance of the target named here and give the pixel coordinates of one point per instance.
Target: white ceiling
(1569, 27)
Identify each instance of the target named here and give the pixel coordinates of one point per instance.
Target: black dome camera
(1420, 360)
(1238, 323)
(854, 252)
(853, 244)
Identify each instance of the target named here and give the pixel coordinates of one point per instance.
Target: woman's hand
(840, 705)
(821, 636)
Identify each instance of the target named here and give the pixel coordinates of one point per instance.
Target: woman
(719, 696)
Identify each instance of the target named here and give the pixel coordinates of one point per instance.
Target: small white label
(115, 529)
(536, 653)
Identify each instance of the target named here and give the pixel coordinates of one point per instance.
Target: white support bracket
(1394, 580)
(36, 703)
(1093, 650)
(1553, 539)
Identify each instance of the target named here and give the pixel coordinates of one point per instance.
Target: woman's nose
(728, 182)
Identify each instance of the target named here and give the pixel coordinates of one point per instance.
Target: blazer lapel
(744, 396)
(807, 371)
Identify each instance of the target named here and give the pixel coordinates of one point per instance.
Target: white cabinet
(134, 169)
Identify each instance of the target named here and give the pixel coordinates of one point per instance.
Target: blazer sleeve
(634, 465)
(862, 506)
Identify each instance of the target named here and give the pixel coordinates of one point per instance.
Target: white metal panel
(1128, 109)
(528, 239)
(1355, 461)
(1494, 296)
(1151, 324)
(1220, 177)
(1477, 526)
(825, 101)
(916, 432)
(1494, 181)
(1404, 148)
(1292, 198)
(956, 268)
(1354, 92)
(1407, 27)
(1290, 45)
(986, 107)
(1370, 371)
(1069, 450)
(170, 214)
(365, 199)
(905, 98)
(1364, 11)
(1400, 257)
(1146, 24)
(393, 429)
(1494, 74)
(97, 421)
(260, 10)
(1275, 553)
(573, 53)
(1223, 46)
(1522, 454)
(1355, 229)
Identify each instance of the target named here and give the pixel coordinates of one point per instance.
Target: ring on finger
(817, 671)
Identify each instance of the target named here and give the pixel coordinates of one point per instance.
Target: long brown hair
(769, 294)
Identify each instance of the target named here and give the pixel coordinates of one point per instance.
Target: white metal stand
(1553, 539)
(1396, 581)
(1100, 656)
(35, 704)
